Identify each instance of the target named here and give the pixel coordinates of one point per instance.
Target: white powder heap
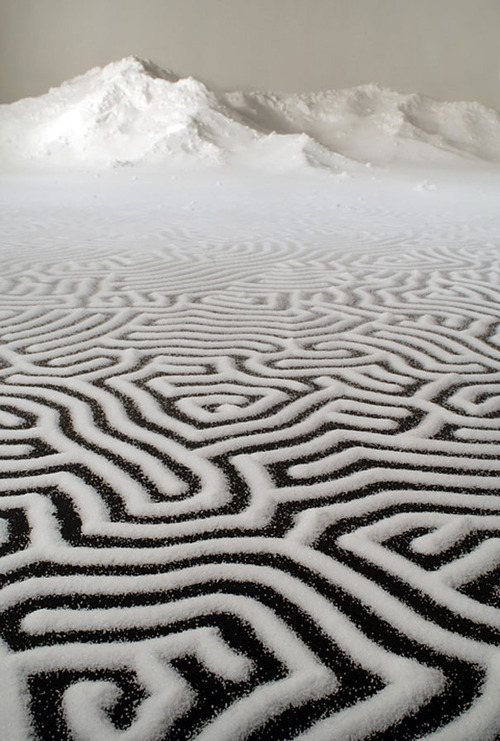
(132, 111)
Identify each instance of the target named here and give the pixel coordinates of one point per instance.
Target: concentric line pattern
(250, 490)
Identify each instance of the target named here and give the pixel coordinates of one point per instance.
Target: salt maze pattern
(249, 489)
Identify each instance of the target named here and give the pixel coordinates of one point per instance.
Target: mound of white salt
(132, 111)
(370, 123)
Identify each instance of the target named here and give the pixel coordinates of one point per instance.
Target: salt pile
(131, 111)
(370, 123)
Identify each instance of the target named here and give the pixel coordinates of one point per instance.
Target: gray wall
(445, 48)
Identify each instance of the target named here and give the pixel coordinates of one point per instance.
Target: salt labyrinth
(249, 453)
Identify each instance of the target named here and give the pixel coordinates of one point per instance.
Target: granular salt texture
(248, 422)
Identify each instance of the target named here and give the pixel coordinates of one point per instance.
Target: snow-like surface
(249, 456)
(131, 111)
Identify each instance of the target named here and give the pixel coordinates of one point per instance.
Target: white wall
(446, 48)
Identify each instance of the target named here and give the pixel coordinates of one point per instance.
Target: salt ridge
(132, 111)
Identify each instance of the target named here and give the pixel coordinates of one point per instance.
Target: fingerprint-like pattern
(249, 488)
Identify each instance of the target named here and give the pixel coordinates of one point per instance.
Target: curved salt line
(169, 695)
(14, 451)
(326, 615)
(134, 496)
(29, 320)
(411, 683)
(363, 543)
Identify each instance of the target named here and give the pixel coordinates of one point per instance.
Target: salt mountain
(132, 111)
